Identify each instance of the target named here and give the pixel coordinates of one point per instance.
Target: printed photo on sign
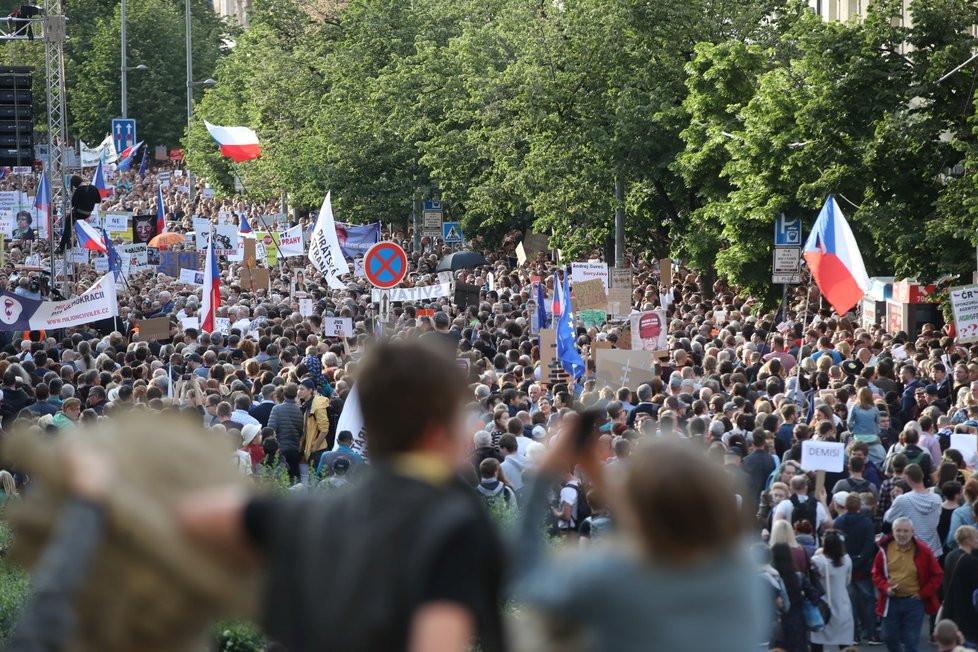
(649, 331)
(144, 228)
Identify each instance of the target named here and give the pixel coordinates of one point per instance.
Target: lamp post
(125, 86)
(190, 103)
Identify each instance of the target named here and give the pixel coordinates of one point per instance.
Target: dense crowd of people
(696, 463)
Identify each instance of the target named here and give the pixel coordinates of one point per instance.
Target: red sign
(385, 265)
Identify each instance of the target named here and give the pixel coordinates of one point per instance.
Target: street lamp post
(126, 68)
(190, 105)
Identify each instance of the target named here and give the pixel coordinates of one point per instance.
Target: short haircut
(514, 426)
(914, 473)
(508, 443)
(857, 464)
(854, 503)
(489, 468)
(900, 462)
(418, 386)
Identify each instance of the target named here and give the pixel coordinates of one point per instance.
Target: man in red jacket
(907, 575)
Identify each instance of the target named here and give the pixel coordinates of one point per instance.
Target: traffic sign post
(787, 232)
(787, 265)
(123, 133)
(451, 233)
(786, 268)
(431, 219)
(385, 265)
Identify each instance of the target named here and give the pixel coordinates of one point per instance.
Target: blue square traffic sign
(123, 133)
(787, 232)
(451, 233)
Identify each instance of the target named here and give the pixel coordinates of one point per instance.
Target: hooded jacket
(929, 575)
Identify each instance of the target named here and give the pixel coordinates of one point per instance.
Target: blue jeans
(902, 623)
(862, 595)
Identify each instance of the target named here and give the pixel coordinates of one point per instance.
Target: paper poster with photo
(191, 277)
(226, 239)
(224, 217)
(144, 228)
(649, 330)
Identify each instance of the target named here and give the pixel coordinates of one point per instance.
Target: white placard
(102, 264)
(191, 277)
(305, 307)
(78, 256)
(222, 325)
(823, 456)
(649, 330)
(419, 293)
(581, 272)
(34, 260)
(208, 193)
(190, 322)
(358, 267)
(338, 327)
(967, 445)
(964, 303)
(116, 222)
(224, 217)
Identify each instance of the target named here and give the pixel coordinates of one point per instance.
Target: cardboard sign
(466, 295)
(550, 370)
(151, 330)
(520, 254)
(255, 279)
(616, 368)
(967, 445)
(665, 271)
(590, 295)
(534, 243)
(619, 302)
(305, 307)
(823, 456)
(649, 330)
(338, 327)
(625, 339)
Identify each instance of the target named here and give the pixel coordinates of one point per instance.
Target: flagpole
(261, 219)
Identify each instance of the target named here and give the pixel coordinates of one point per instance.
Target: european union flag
(541, 307)
(115, 261)
(570, 358)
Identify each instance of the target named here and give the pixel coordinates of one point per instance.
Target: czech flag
(237, 143)
(244, 227)
(834, 259)
(126, 156)
(89, 238)
(160, 211)
(99, 182)
(42, 202)
(211, 299)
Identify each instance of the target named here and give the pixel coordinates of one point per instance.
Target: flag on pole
(42, 202)
(115, 261)
(324, 247)
(834, 259)
(244, 227)
(541, 307)
(126, 156)
(211, 299)
(237, 143)
(89, 238)
(99, 182)
(160, 211)
(142, 166)
(351, 419)
(567, 353)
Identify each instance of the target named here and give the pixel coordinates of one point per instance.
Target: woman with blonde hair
(8, 488)
(782, 532)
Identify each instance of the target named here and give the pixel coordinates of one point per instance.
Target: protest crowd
(504, 461)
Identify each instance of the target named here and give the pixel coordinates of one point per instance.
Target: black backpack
(804, 511)
(583, 509)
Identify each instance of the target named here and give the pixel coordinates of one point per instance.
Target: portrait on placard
(649, 331)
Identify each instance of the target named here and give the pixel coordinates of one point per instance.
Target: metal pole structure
(416, 217)
(619, 221)
(190, 92)
(54, 38)
(125, 88)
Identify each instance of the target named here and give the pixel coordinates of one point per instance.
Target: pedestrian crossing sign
(452, 233)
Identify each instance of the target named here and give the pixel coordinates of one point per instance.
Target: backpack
(857, 486)
(804, 511)
(490, 496)
(583, 509)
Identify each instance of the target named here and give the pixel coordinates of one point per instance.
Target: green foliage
(14, 586)
(237, 636)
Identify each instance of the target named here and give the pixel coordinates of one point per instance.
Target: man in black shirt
(404, 559)
(84, 198)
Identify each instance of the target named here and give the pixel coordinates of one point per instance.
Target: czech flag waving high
(244, 227)
(160, 211)
(126, 156)
(99, 182)
(834, 259)
(89, 238)
(237, 143)
(211, 299)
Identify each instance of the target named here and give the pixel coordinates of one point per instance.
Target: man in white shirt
(800, 500)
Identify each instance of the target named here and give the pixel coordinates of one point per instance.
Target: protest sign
(621, 277)
(255, 278)
(290, 242)
(19, 313)
(418, 293)
(591, 318)
(152, 330)
(116, 222)
(619, 302)
(649, 332)
(202, 232)
(466, 295)
(358, 268)
(590, 295)
(520, 254)
(625, 339)
(101, 264)
(191, 277)
(581, 272)
(964, 304)
(550, 370)
(267, 244)
(173, 262)
(7, 223)
(617, 368)
(337, 327)
(222, 325)
(223, 217)
(190, 322)
(305, 307)
(967, 445)
(665, 271)
(225, 240)
(534, 243)
(78, 256)
(823, 456)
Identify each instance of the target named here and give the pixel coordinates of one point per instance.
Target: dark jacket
(860, 540)
(262, 412)
(758, 466)
(485, 452)
(286, 420)
(14, 400)
(960, 583)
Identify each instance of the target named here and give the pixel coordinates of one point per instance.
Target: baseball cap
(839, 498)
(308, 383)
(931, 390)
(729, 405)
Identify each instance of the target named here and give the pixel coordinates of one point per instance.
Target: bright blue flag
(115, 261)
(355, 240)
(142, 166)
(567, 353)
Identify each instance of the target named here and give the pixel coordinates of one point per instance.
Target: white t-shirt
(784, 509)
(568, 496)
